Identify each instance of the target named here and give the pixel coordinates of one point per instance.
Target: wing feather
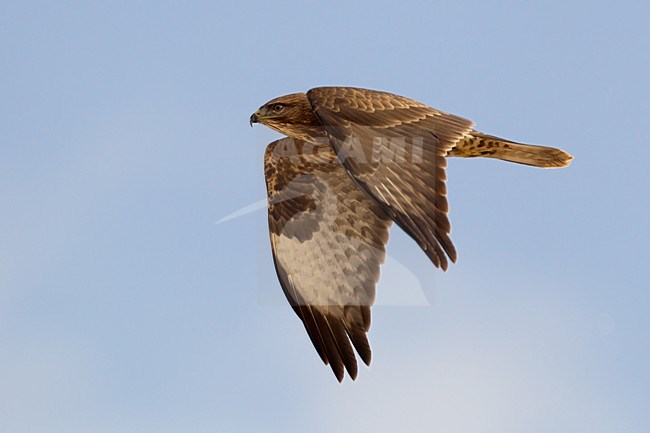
(395, 148)
(328, 240)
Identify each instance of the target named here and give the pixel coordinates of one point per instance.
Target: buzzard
(353, 162)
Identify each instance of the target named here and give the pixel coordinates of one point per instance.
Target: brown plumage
(477, 144)
(359, 159)
(328, 239)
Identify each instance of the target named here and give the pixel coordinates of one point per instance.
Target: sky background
(124, 138)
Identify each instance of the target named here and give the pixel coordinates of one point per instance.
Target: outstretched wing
(395, 148)
(328, 239)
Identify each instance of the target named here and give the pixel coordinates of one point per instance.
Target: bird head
(291, 115)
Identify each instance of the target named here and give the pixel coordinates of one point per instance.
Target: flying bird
(353, 162)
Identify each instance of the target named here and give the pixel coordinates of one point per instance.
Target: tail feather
(478, 144)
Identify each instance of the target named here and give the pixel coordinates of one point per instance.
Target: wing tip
(340, 374)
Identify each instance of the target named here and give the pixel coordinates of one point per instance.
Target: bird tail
(478, 144)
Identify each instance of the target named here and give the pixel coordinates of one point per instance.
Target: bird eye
(277, 108)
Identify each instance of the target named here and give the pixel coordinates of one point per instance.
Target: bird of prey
(353, 162)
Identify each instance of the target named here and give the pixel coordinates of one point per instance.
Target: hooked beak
(254, 118)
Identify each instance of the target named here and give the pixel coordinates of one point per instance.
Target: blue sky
(124, 137)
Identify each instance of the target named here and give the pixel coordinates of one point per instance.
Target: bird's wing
(395, 149)
(328, 239)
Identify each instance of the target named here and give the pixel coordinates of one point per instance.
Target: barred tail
(478, 144)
